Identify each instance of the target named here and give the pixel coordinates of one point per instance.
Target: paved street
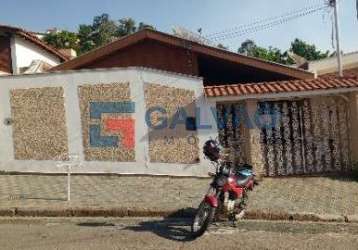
(156, 233)
(322, 195)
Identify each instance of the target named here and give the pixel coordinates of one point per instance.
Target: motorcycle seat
(243, 180)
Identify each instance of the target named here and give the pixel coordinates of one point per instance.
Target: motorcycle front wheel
(203, 218)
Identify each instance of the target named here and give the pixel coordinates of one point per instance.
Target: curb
(252, 214)
(7, 212)
(352, 218)
(93, 212)
(182, 213)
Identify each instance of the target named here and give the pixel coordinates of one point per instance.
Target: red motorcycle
(227, 194)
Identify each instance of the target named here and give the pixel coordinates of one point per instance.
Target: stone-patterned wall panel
(174, 143)
(108, 128)
(39, 125)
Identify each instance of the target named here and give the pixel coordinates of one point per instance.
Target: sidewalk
(33, 195)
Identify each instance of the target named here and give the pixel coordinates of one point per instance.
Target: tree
(249, 48)
(126, 26)
(86, 42)
(142, 26)
(298, 47)
(63, 40)
(104, 30)
(308, 51)
(221, 46)
(90, 36)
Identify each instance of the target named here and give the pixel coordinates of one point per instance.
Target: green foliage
(142, 26)
(249, 48)
(308, 51)
(126, 26)
(63, 40)
(86, 42)
(90, 36)
(104, 30)
(299, 47)
(221, 46)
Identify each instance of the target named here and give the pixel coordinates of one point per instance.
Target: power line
(246, 29)
(265, 24)
(262, 21)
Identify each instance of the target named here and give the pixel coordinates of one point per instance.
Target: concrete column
(353, 110)
(207, 129)
(252, 140)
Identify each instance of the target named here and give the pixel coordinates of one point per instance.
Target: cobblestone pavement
(320, 195)
(101, 191)
(323, 195)
(158, 233)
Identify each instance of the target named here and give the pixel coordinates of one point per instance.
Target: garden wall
(127, 121)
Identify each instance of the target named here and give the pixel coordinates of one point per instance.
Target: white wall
(70, 81)
(330, 65)
(24, 52)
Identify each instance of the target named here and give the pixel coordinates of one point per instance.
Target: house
(146, 103)
(153, 49)
(22, 51)
(329, 66)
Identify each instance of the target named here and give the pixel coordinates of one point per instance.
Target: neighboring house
(20, 50)
(330, 65)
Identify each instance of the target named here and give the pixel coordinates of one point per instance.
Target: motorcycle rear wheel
(203, 218)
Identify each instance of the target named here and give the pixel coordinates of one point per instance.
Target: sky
(209, 15)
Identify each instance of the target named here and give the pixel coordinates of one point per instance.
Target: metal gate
(310, 136)
(230, 128)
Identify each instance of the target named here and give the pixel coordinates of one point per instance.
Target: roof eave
(101, 51)
(284, 95)
(46, 47)
(35, 40)
(234, 57)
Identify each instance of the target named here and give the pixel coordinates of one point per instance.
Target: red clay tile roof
(34, 39)
(347, 73)
(281, 87)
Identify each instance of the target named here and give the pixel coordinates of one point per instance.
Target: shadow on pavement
(168, 228)
(96, 224)
(176, 226)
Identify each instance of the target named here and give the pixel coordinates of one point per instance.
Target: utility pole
(334, 4)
